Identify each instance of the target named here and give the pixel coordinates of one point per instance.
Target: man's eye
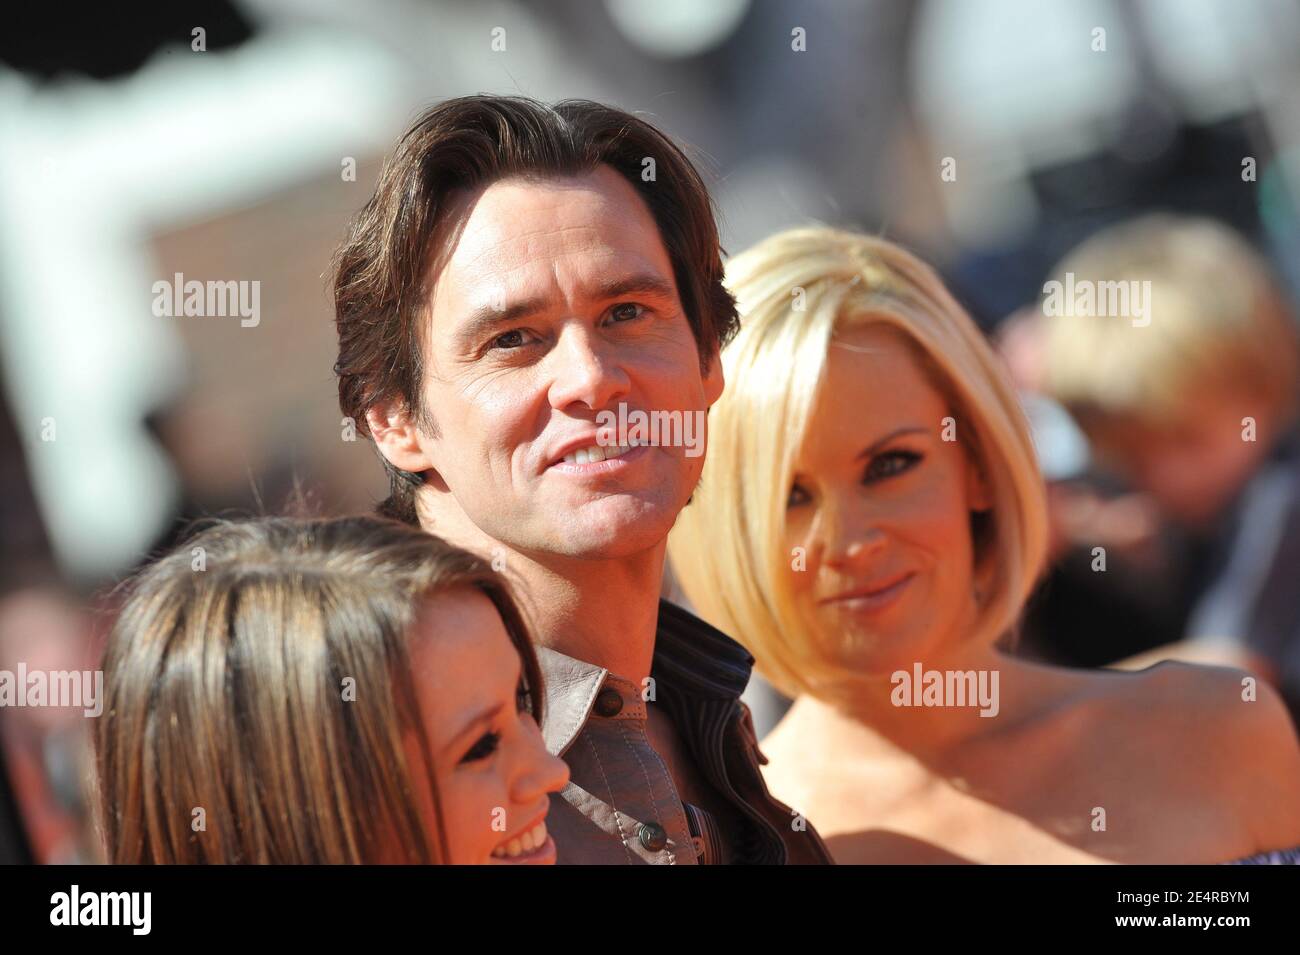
(485, 747)
(889, 464)
(626, 312)
(511, 339)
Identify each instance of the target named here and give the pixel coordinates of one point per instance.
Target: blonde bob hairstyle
(794, 290)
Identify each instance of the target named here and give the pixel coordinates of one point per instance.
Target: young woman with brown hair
(322, 691)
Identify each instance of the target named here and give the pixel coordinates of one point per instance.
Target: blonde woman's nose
(854, 545)
(846, 535)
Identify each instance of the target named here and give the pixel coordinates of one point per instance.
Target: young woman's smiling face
(493, 772)
(882, 504)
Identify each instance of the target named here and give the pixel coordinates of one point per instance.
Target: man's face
(556, 302)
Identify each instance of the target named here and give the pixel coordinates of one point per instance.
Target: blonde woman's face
(881, 504)
(494, 775)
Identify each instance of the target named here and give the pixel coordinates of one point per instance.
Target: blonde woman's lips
(871, 598)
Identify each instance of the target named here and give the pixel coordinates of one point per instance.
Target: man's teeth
(596, 453)
(530, 841)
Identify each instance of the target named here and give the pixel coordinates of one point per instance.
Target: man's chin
(608, 528)
(610, 532)
(607, 543)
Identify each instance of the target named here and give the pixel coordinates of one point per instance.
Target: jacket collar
(570, 686)
(691, 658)
(696, 658)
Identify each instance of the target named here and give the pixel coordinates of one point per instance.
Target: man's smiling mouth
(596, 453)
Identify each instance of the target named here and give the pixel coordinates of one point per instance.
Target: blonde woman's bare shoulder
(1200, 696)
(1230, 732)
(1188, 701)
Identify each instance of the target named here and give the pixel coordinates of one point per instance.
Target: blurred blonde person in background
(871, 519)
(1195, 406)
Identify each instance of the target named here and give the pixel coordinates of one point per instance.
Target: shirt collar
(690, 657)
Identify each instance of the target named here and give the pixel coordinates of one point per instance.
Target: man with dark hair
(522, 275)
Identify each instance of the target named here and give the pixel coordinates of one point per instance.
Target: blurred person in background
(344, 690)
(872, 517)
(43, 750)
(1193, 405)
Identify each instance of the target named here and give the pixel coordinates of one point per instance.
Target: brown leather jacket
(622, 804)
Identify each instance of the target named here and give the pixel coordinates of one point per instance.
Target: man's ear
(713, 379)
(393, 429)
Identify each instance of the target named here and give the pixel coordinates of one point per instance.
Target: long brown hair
(381, 270)
(229, 733)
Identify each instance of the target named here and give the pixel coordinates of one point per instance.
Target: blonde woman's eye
(797, 496)
(890, 464)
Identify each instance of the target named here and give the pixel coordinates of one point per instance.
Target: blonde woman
(322, 691)
(871, 522)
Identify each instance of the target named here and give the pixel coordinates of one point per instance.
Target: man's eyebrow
(879, 443)
(483, 719)
(642, 283)
(485, 318)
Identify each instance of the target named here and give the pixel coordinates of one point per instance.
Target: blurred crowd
(1014, 143)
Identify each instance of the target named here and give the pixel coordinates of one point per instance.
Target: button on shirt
(624, 804)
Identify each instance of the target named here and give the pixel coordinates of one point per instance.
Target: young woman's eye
(523, 699)
(889, 464)
(626, 312)
(485, 747)
(797, 496)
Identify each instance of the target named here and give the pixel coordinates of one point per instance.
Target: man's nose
(585, 371)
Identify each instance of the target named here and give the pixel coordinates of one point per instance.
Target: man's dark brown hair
(381, 272)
